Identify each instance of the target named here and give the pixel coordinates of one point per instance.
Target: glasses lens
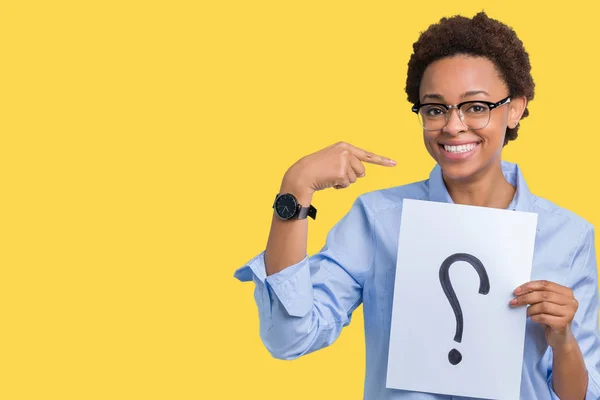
(475, 115)
(432, 117)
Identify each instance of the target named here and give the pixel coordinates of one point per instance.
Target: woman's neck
(491, 189)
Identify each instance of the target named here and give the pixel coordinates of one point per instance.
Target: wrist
(293, 185)
(566, 346)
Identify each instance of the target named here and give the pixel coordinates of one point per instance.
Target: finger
(372, 158)
(351, 175)
(543, 285)
(357, 166)
(550, 320)
(548, 308)
(342, 183)
(538, 297)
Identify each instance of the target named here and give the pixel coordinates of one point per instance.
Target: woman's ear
(516, 109)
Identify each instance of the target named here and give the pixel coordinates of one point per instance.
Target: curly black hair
(479, 36)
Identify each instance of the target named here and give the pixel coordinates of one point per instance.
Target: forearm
(569, 374)
(287, 241)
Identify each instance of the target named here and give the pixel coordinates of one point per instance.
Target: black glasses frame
(415, 108)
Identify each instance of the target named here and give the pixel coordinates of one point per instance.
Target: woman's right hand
(337, 166)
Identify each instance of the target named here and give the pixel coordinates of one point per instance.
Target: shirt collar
(522, 201)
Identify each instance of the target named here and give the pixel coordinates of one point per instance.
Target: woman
(470, 83)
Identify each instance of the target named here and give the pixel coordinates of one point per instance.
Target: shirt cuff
(593, 388)
(254, 268)
(292, 285)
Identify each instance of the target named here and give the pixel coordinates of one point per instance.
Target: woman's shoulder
(560, 228)
(559, 216)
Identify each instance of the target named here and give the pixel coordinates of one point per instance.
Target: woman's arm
(554, 306)
(304, 307)
(570, 317)
(304, 302)
(569, 374)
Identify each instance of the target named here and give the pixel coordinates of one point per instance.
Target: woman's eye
(434, 111)
(476, 108)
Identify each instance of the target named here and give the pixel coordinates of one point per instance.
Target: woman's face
(460, 78)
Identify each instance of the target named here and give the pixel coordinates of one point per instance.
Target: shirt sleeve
(305, 306)
(585, 322)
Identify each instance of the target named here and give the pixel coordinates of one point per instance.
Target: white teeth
(460, 149)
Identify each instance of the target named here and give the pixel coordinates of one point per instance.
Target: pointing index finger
(372, 158)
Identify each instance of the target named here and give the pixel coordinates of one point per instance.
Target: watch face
(286, 206)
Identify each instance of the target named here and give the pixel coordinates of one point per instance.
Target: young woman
(470, 83)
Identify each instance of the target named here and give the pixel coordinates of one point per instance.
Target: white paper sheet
(424, 324)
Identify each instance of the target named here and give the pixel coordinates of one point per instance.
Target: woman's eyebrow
(473, 93)
(436, 96)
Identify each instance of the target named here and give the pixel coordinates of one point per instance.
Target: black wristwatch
(287, 207)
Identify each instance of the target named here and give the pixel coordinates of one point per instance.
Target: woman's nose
(454, 126)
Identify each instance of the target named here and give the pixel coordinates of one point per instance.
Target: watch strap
(309, 211)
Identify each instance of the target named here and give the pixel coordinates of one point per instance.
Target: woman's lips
(459, 152)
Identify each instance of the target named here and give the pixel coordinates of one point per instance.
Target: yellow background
(142, 144)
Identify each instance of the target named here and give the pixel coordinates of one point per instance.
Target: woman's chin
(463, 171)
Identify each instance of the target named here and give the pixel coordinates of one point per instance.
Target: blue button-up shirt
(305, 306)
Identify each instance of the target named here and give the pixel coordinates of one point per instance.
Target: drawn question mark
(454, 355)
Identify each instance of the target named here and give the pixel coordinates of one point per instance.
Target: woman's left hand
(552, 305)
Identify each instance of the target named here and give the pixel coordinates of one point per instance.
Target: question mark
(454, 355)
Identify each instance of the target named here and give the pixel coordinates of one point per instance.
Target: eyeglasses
(473, 114)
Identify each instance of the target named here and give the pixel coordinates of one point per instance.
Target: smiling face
(465, 154)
